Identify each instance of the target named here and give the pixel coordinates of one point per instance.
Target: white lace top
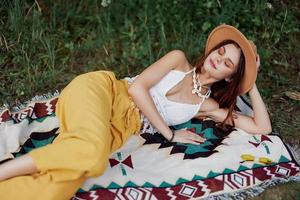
(172, 112)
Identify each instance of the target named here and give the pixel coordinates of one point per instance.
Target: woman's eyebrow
(228, 58)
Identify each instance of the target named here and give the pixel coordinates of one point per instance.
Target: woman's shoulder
(185, 65)
(157, 70)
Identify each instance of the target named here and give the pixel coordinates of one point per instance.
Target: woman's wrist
(167, 134)
(172, 137)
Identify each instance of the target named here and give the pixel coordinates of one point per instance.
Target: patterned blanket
(232, 164)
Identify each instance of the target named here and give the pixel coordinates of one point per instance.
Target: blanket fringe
(21, 106)
(295, 150)
(254, 191)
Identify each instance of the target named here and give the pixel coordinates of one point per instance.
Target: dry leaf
(293, 95)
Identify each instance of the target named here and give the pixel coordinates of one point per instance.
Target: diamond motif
(187, 191)
(133, 193)
(238, 179)
(283, 171)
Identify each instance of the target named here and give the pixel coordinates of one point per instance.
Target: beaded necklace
(198, 86)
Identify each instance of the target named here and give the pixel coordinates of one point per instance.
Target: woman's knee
(98, 159)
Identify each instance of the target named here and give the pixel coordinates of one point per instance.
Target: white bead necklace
(198, 86)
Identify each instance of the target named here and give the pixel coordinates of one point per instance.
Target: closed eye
(221, 51)
(228, 64)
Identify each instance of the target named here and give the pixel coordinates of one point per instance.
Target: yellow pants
(96, 117)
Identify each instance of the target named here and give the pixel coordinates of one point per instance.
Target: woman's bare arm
(139, 90)
(145, 103)
(259, 123)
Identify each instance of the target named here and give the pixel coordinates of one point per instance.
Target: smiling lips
(212, 64)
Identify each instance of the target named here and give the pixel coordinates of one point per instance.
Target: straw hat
(225, 32)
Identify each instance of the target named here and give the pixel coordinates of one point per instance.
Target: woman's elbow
(136, 89)
(264, 131)
(131, 89)
(268, 130)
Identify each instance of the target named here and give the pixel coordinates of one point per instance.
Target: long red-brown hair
(225, 93)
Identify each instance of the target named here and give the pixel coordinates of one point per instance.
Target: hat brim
(226, 32)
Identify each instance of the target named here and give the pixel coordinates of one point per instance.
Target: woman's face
(222, 62)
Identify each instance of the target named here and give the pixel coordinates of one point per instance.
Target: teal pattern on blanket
(36, 140)
(214, 138)
(207, 133)
(207, 129)
(217, 150)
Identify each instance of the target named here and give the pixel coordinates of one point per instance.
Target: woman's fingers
(193, 142)
(186, 136)
(258, 62)
(196, 137)
(188, 141)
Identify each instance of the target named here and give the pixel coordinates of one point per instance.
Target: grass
(45, 44)
(288, 191)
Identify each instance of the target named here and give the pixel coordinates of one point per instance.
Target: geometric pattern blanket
(232, 164)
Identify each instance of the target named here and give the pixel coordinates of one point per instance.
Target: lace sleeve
(147, 127)
(130, 79)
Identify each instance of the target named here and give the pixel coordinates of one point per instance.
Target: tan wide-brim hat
(227, 32)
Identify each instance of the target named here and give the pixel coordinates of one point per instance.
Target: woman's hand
(258, 69)
(186, 136)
